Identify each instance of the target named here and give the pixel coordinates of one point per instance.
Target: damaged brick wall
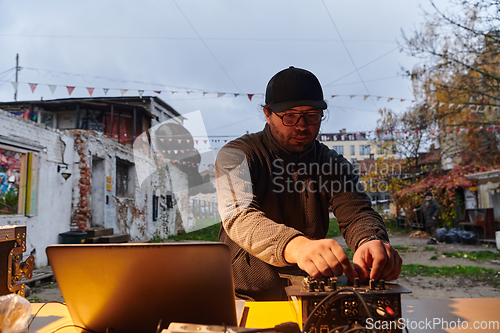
(81, 219)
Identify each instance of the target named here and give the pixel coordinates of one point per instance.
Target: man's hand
(383, 259)
(319, 258)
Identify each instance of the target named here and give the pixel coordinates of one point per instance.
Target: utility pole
(17, 71)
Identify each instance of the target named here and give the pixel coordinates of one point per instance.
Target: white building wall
(54, 193)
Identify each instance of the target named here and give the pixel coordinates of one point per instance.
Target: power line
(368, 63)
(347, 50)
(204, 43)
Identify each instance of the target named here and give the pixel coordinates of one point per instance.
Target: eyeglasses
(292, 119)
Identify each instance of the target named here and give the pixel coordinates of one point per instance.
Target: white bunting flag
(123, 91)
(220, 94)
(52, 88)
(105, 91)
(15, 84)
(141, 92)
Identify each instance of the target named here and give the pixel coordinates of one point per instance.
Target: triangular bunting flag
(378, 98)
(175, 151)
(352, 96)
(333, 96)
(70, 89)
(123, 91)
(157, 91)
(91, 91)
(250, 96)
(196, 141)
(105, 91)
(15, 84)
(173, 92)
(441, 104)
(33, 86)
(179, 140)
(204, 93)
(365, 97)
(451, 105)
(390, 99)
(141, 92)
(402, 99)
(187, 140)
(205, 141)
(236, 95)
(220, 94)
(52, 88)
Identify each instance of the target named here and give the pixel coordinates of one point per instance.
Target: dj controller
(335, 305)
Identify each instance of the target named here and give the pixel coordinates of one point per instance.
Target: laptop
(142, 287)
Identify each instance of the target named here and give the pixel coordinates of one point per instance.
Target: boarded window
(18, 182)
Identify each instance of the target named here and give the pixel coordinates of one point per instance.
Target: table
(482, 311)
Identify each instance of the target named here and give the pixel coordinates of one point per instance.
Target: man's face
(428, 198)
(298, 138)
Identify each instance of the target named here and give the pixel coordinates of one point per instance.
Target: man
(429, 211)
(274, 189)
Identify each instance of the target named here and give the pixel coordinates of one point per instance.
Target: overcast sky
(216, 47)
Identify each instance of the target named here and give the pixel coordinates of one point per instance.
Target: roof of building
(97, 102)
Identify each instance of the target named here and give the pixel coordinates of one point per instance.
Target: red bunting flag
(70, 89)
(91, 91)
(157, 91)
(250, 96)
(33, 86)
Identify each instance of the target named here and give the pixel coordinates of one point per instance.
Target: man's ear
(268, 114)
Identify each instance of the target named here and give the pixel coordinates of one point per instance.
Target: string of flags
(474, 105)
(140, 92)
(367, 134)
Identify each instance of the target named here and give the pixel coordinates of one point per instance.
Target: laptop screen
(140, 287)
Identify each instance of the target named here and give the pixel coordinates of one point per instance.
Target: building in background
(355, 146)
(92, 141)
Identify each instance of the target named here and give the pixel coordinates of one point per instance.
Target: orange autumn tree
(457, 86)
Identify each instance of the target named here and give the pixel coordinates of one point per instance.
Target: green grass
(433, 258)
(415, 269)
(430, 249)
(474, 255)
(406, 248)
(349, 253)
(210, 233)
(33, 299)
(333, 230)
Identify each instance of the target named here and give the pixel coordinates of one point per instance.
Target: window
(353, 152)
(364, 149)
(339, 149)
(48, 119)
(124, 179)
(18, 181)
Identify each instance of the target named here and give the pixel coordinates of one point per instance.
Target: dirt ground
(422, 287)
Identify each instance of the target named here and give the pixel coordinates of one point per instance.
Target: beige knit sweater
(267, 196)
